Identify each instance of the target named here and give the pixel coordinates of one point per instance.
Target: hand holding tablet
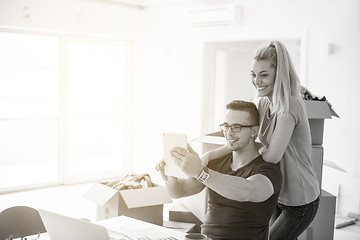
(170, 141)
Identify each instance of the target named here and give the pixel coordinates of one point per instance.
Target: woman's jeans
(288, 222)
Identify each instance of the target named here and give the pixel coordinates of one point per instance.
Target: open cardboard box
(318, 111)
(144, 204)
(211, 141)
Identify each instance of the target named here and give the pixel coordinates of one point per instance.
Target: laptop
(60, 227)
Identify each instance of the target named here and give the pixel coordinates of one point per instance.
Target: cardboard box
(180, 213)
(211, 141)
(323, 224)
(318, 111)
(144, 204)
(317, 155)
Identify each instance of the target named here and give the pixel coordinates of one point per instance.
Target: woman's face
(263, 77)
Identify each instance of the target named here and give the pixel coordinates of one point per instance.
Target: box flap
(333, 113)
(216, 134)
(100, 194)
(145, 197)
(212, 138)
(319, 109)
(333, 165)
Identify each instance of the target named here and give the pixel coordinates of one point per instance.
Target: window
(63, 109)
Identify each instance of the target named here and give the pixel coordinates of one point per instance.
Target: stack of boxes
(322, 226)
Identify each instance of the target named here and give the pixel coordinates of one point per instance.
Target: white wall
(168, 86)
(232, 65)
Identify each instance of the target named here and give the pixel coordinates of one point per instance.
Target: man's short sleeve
(273, 173)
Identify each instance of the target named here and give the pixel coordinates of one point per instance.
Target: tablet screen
(171, 140)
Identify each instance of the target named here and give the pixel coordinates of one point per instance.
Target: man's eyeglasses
(234, 128)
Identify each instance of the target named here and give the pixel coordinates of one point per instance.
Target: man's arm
(256, 188)
(178, 187)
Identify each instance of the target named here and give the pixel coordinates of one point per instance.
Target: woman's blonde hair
(287, 82)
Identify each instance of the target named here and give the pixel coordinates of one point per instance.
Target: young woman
(285, 135)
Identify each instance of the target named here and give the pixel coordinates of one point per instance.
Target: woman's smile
(261, 88)
(263, 77)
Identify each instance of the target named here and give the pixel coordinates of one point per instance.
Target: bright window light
(96, 107)
(62, 102)
(29, 109)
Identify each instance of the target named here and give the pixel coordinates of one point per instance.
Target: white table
(131, 226)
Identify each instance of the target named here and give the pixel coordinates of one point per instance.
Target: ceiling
(144, 3)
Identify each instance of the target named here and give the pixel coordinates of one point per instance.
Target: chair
(19, 222)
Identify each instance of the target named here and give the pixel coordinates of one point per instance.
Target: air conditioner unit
(216, 16)
(135, 3)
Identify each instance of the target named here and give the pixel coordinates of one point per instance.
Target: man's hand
(179, 187)
(160, 166)
(188, 160)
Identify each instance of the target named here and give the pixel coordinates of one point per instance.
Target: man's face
(237, 140)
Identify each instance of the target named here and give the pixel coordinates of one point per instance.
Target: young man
(243, 188)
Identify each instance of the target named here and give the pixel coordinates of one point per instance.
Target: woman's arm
(214, 154)
(280, 139)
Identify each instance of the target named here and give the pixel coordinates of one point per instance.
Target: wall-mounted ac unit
(216, 16)
(135, 3)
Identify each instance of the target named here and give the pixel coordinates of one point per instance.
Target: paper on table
(137, 229)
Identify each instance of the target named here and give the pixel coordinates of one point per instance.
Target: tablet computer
(171, 140)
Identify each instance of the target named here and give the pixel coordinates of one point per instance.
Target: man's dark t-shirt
(229, 219)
